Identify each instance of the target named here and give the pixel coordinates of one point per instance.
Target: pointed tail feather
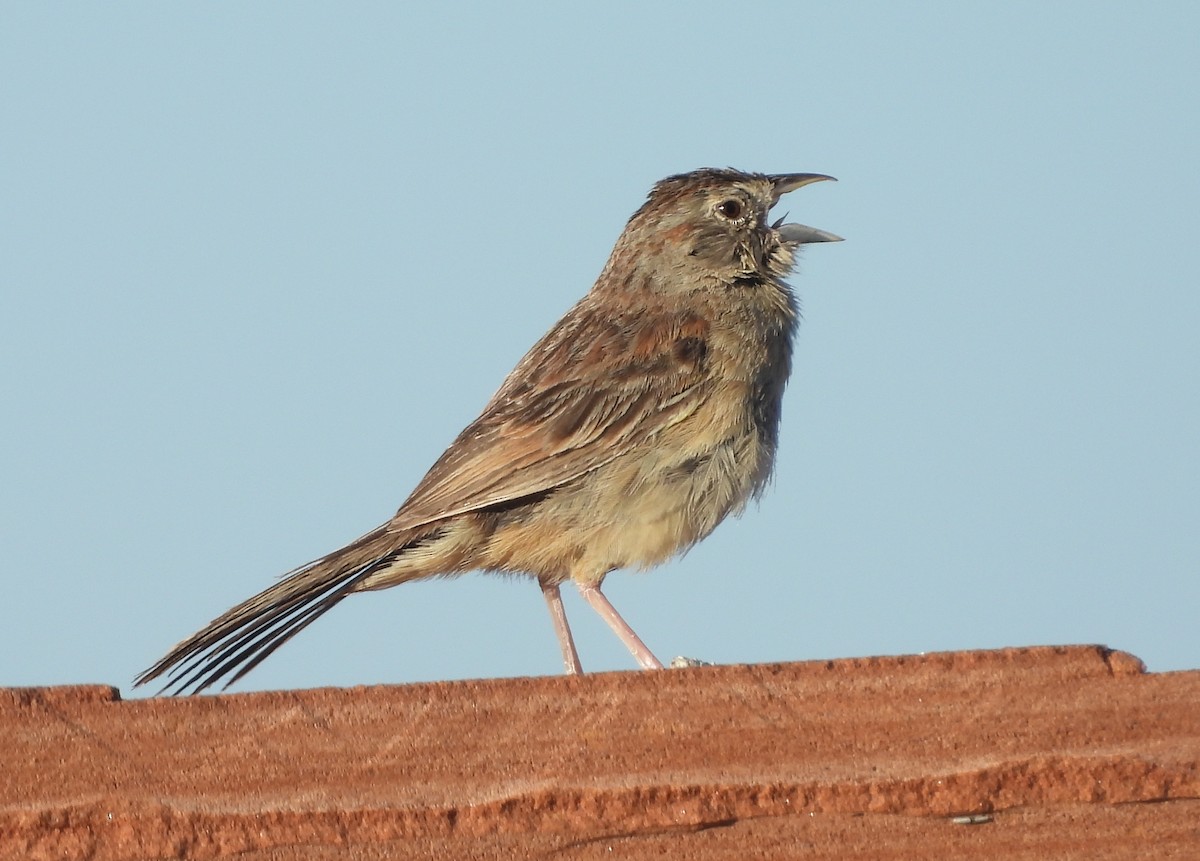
(241, 638)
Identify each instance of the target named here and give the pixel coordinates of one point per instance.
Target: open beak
(799, 234)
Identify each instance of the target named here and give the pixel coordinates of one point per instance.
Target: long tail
(241, 638)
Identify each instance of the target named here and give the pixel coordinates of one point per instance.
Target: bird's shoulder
(603, 380)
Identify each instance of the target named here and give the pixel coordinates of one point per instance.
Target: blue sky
(262, 262)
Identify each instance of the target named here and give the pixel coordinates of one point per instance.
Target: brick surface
(1016, 753)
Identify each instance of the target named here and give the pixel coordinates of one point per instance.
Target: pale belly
(641, 509)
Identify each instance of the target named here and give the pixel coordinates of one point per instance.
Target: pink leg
(609, 614)
(561, 629)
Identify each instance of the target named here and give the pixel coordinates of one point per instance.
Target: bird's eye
(731, 209)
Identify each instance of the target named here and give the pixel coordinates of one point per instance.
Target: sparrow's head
(714, 224)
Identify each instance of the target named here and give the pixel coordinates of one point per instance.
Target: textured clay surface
(1017, 754)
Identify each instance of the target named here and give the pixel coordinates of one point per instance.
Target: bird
(643, 418)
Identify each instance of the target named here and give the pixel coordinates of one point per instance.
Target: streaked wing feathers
(592, 389)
